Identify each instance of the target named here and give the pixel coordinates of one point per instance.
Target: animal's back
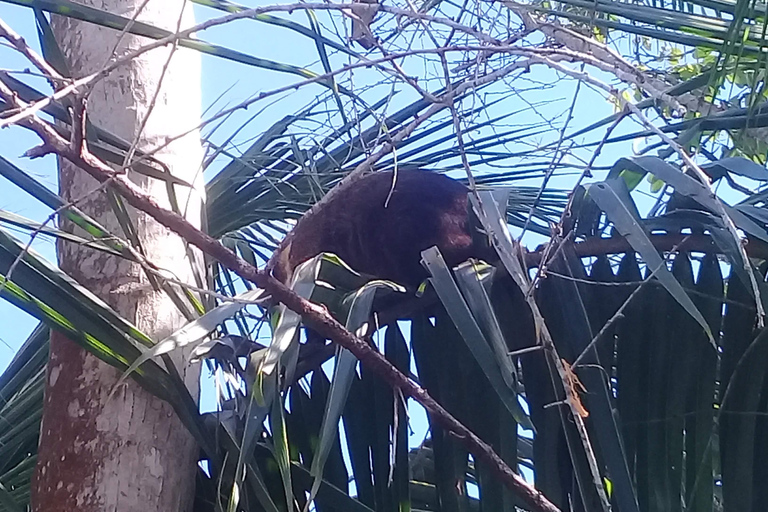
(380, 225)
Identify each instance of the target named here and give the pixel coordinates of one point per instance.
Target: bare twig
(548, 250)
(558, 373)
(617, 315)
(18, 42)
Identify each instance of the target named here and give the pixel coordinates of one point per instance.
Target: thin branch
(555, 364)
(22, 47)
(587, 172)
(616, 316)
(556, 159)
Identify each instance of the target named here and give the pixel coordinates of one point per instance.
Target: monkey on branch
(380, 225)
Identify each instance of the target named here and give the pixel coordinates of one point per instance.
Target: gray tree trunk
(129, 453)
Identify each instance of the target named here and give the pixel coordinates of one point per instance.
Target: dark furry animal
(380, 225)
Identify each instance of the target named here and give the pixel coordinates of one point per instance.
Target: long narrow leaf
(359, 306)
(624, 217)
(466, 324)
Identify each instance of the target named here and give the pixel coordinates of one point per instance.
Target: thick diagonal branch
(315, 316)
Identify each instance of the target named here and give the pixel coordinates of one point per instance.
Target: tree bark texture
(130, 452)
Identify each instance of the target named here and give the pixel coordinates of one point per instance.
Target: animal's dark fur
(380, 225)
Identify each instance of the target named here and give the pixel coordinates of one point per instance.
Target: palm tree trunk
(129, 452)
